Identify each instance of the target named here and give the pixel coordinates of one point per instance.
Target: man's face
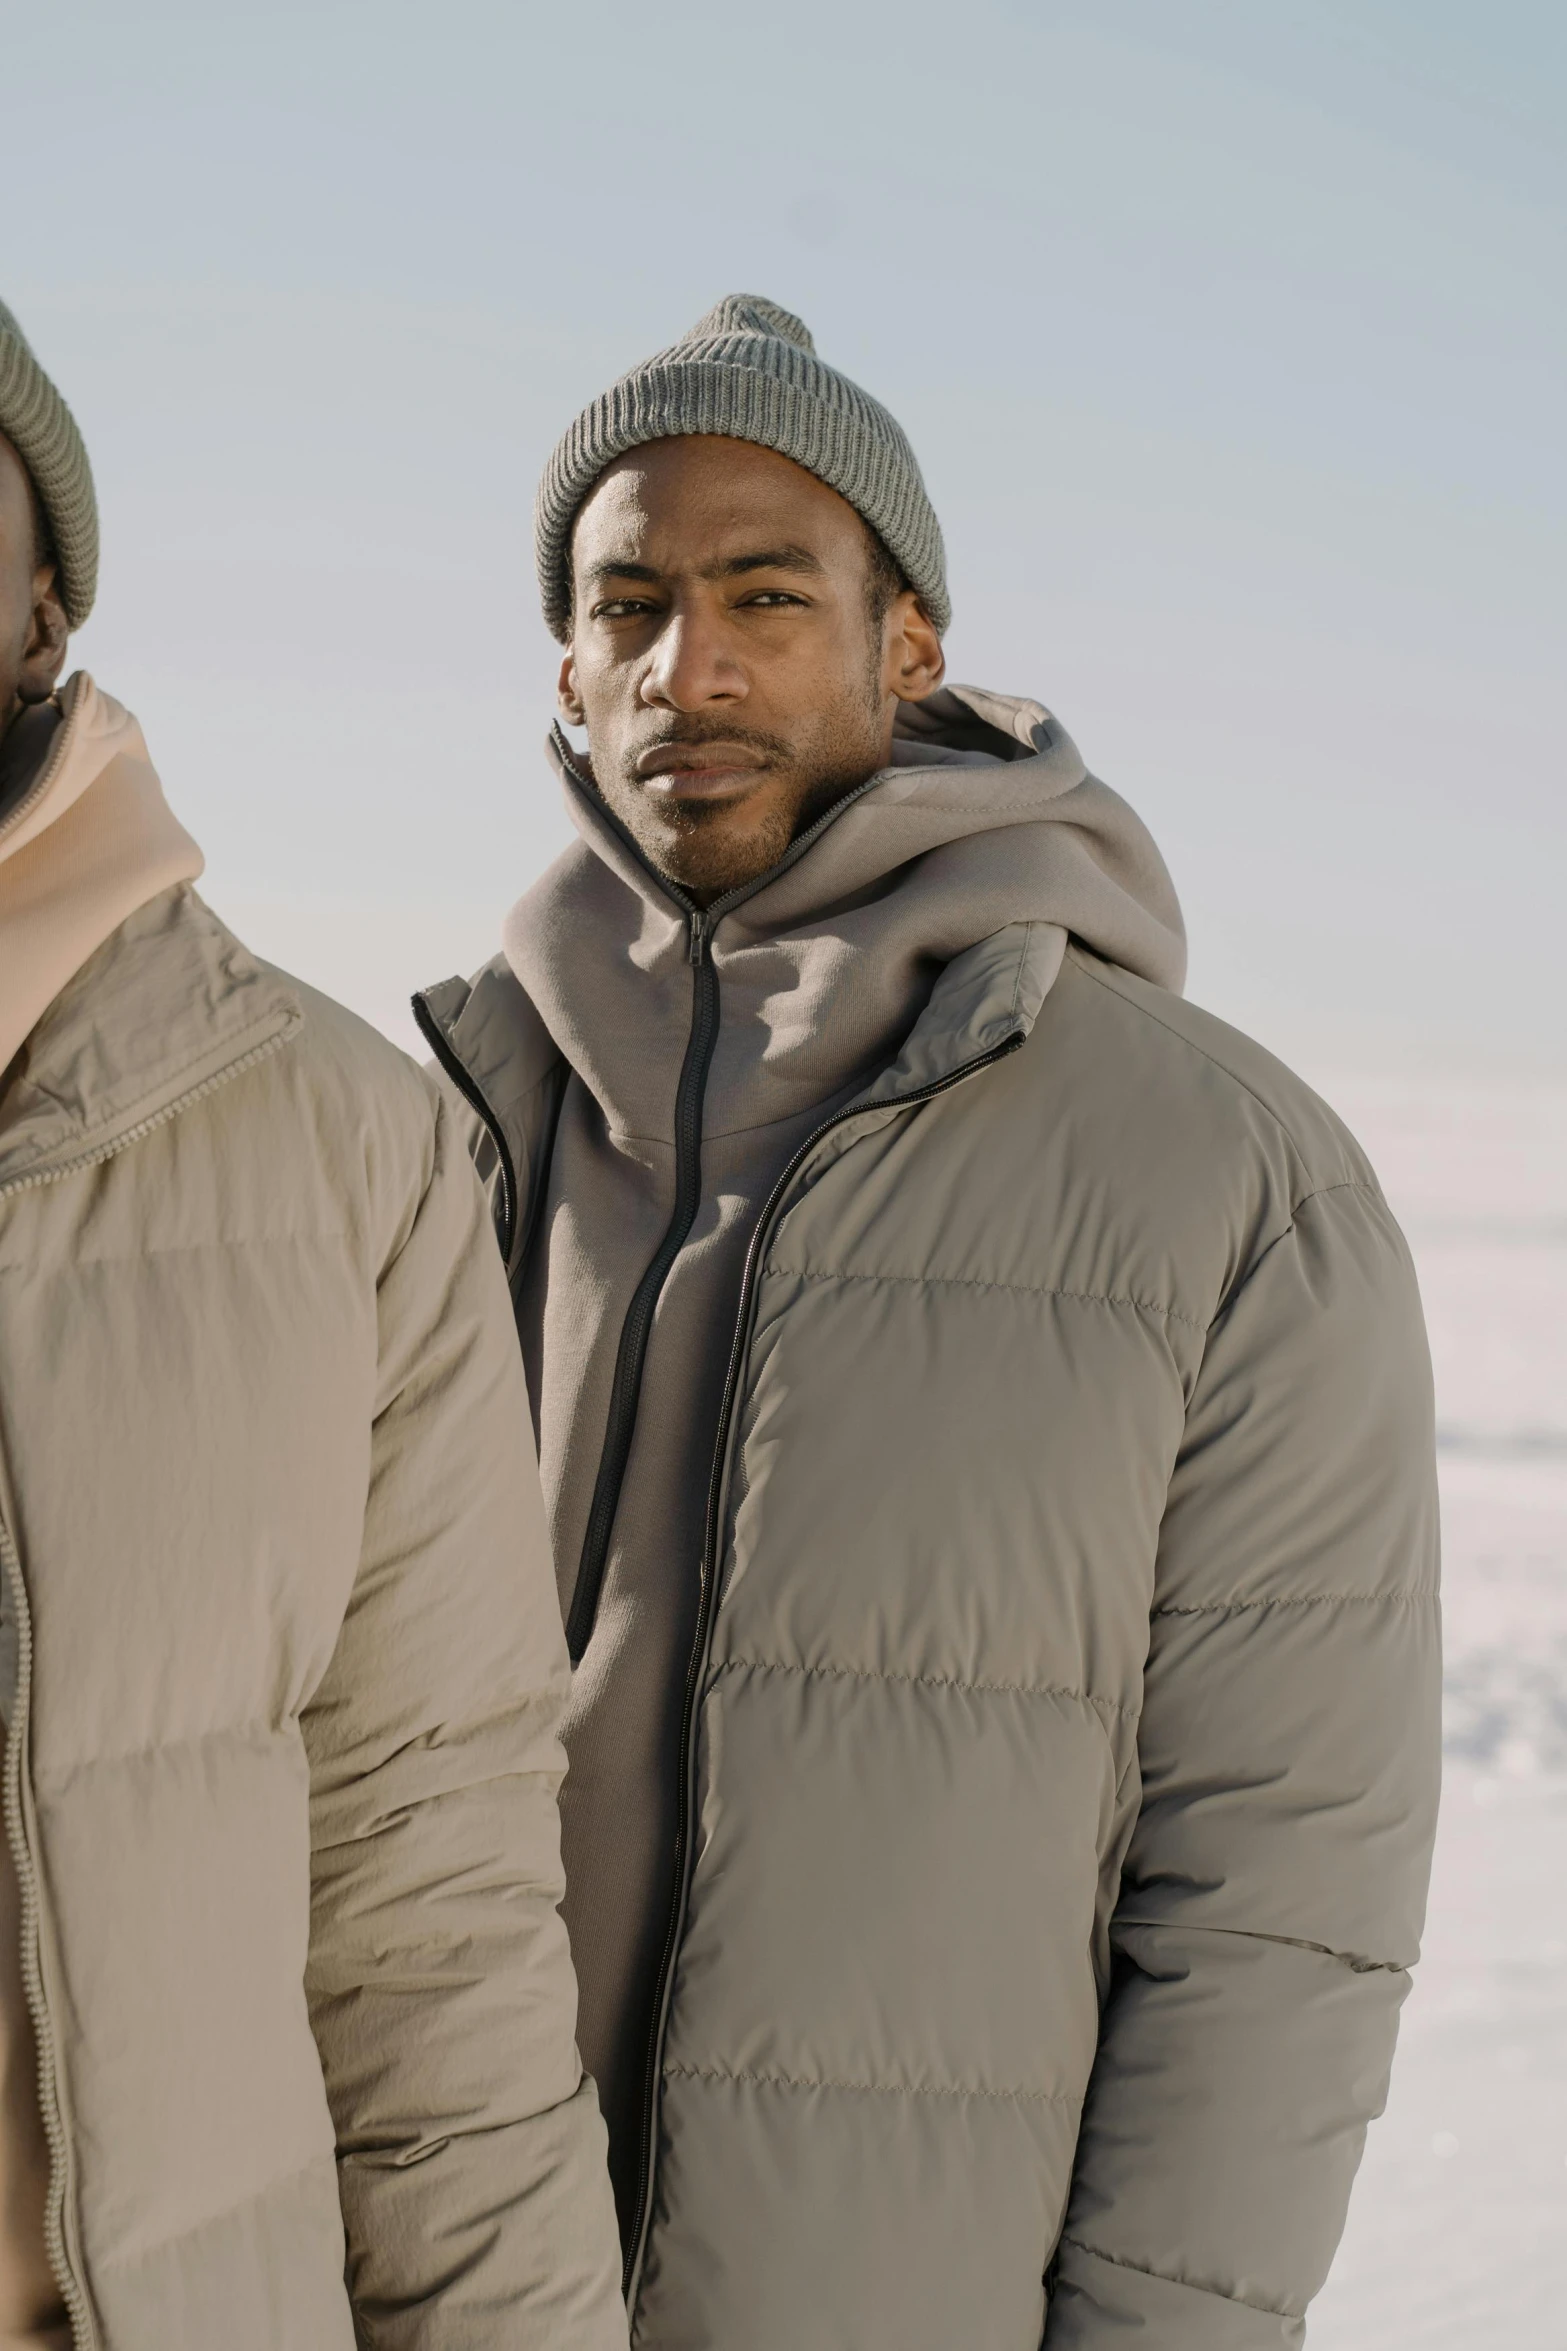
(734, 670)
(32, 617)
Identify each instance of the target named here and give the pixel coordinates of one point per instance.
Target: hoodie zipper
(58, 2208)
(631, 1354)
(696, 1665)
(690, 1096)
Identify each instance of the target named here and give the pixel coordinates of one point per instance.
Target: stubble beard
(708, 848)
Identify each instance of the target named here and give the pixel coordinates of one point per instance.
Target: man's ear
(567, 700)
(43, 656)
(916, 664)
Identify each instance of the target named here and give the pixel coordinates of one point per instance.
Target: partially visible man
(286, 2007)
(986, 1424)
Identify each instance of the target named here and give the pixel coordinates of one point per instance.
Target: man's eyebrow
(786, 558)
(614, 570)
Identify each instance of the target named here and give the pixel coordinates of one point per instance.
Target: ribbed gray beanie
(748, 371)
(42, 431)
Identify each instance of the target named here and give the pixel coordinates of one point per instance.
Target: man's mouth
(698, 770)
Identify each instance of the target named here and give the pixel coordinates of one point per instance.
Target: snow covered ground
(1458, 2233)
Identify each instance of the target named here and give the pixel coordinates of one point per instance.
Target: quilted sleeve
(1274, 1889)
(470, 2149)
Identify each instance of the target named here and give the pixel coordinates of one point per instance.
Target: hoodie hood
(987, 818)
(85, 843)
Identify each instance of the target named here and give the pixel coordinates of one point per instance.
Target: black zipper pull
(698, 934)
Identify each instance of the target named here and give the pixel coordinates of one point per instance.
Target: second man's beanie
(749, 372)
(42, 431)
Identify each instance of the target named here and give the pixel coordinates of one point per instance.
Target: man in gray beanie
(986, 1429)
(286, 2008)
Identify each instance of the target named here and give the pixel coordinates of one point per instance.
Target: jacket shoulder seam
(923, 1681)
(1100, 979)
(755, 2078)
(959, 1281)
(1161, 2277)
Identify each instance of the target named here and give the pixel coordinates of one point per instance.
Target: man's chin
(709, 847)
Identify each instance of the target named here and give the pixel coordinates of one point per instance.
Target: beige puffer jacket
(281, 1786)
(1061, 1752)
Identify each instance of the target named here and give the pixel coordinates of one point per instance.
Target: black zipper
(626, 1388)
(696, 1666)
(690, 1094)
(434, 1036)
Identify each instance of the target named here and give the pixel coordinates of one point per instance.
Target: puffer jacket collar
(1070, 856)
(490, 1041)
(987, 997)
(168, 1007)
(490, 1027)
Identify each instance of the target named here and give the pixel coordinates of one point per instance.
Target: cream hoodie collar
(88, 842)
(987, 820)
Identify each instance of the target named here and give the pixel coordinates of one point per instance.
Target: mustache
(689, 733)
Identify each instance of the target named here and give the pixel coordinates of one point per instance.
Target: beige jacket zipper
(59, 2212)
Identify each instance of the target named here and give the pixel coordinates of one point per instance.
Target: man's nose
(692, 664)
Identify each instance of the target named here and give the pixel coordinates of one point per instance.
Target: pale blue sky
(1231, 337)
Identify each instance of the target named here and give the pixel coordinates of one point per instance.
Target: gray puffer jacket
(1060, 1760)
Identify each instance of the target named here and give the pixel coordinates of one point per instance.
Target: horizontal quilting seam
(959, 1281)
(1407, 1598)
(755, 2079)
(1343, 1184)
(1185, 2285)
(336, 1237)
(1298, 1205)
(922, 1681)
(243, 1733)
(1358, 1962)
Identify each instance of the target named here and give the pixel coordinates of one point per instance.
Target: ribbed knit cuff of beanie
(42, 431)
(748, 371)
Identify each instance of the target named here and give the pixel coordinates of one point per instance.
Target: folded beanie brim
(753, 383)
(43, 432)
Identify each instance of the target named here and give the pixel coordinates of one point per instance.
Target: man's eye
(620, 607)
(768, 598)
